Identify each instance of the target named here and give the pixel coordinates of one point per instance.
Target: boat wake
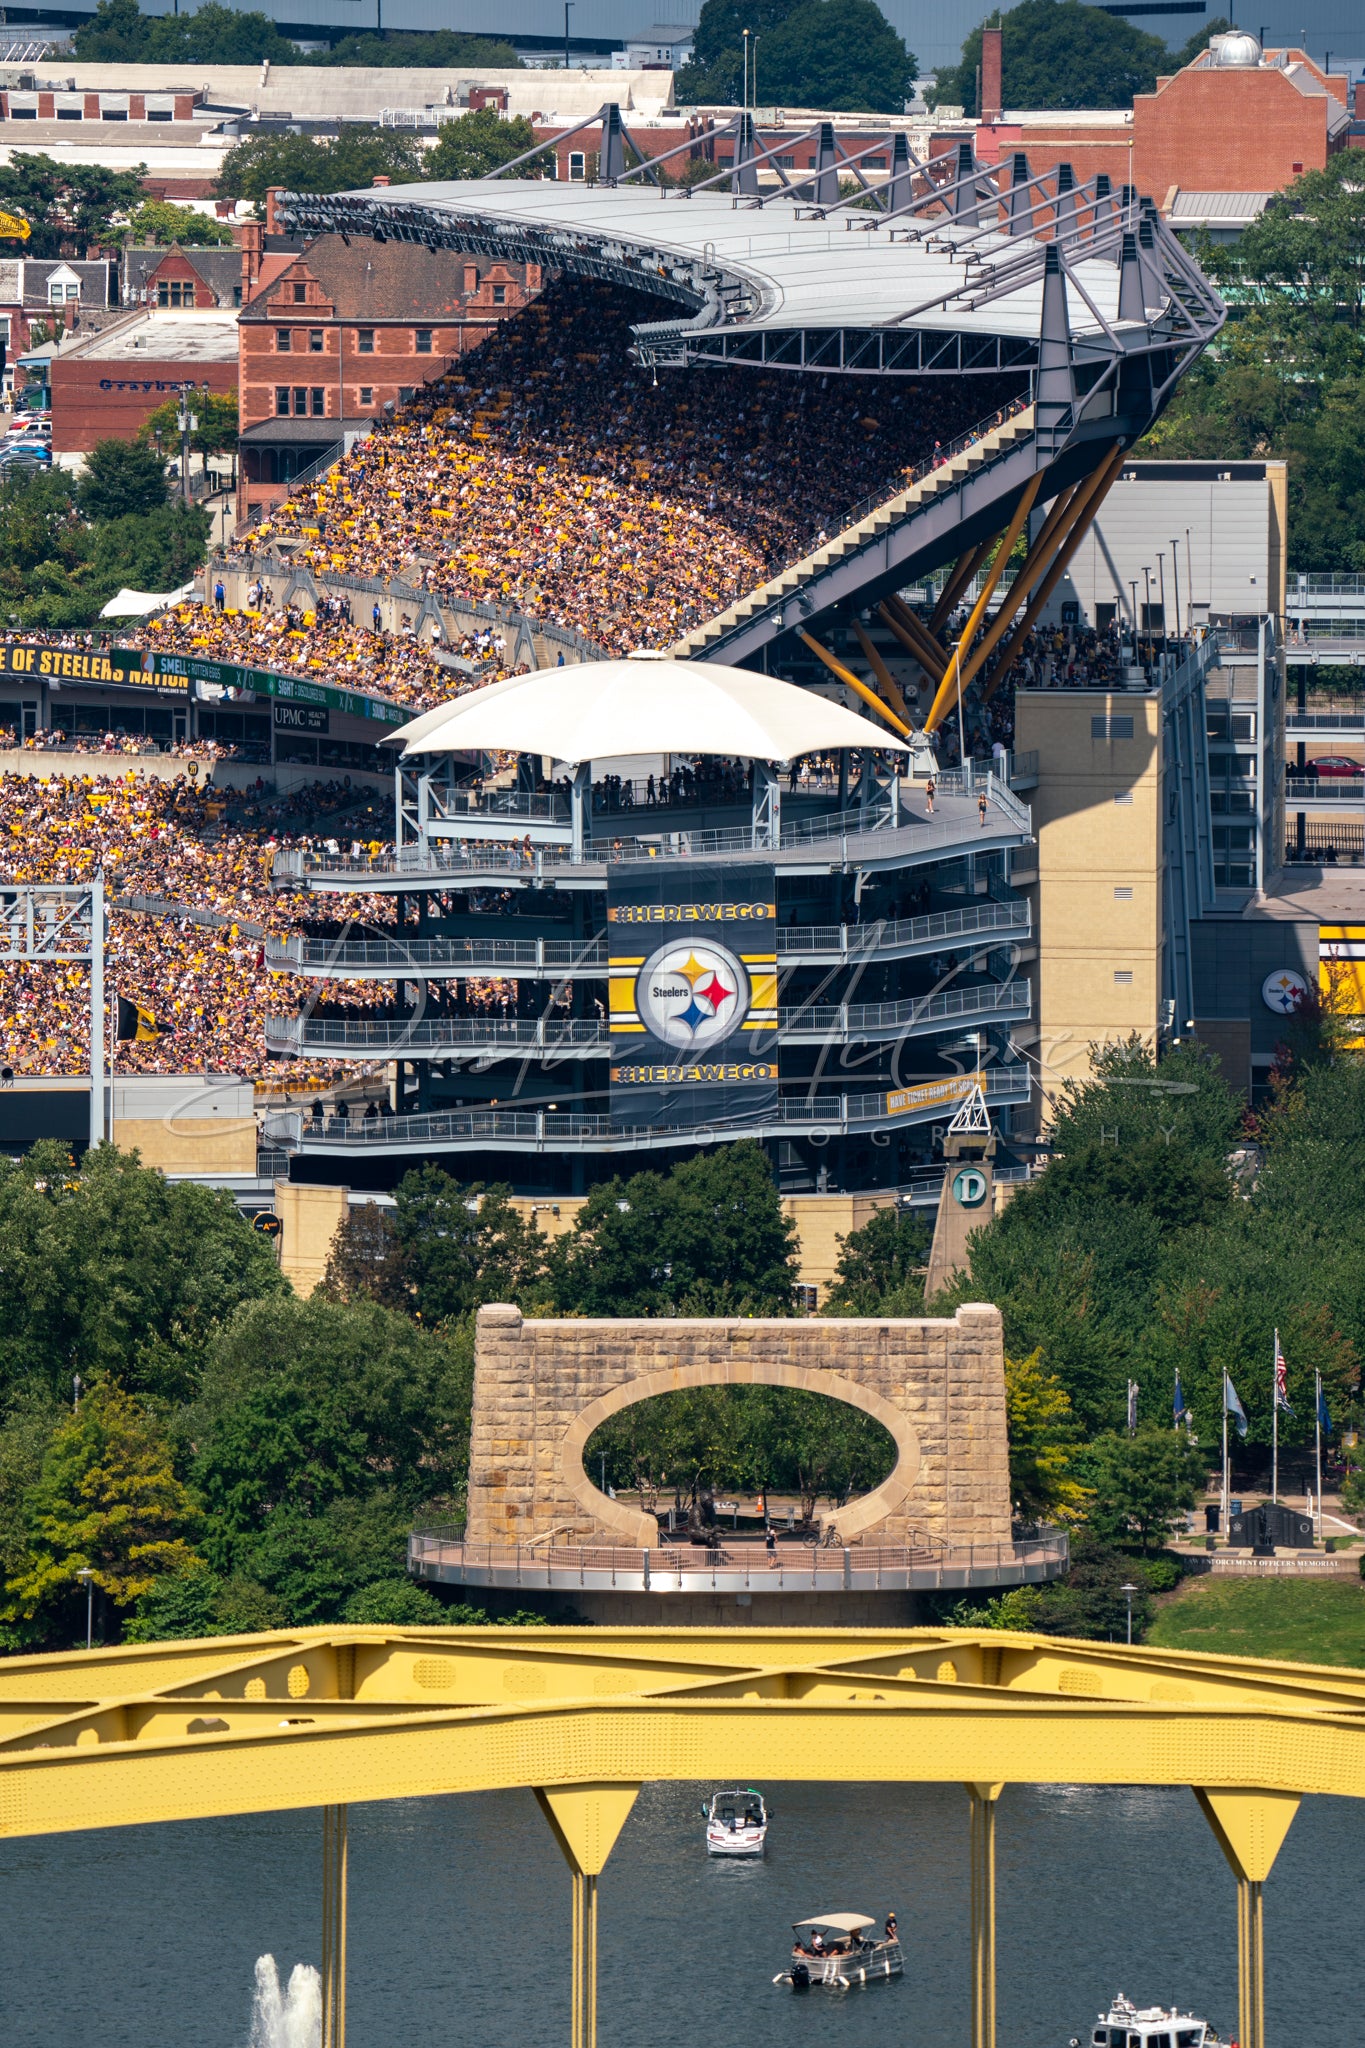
(289, 2018)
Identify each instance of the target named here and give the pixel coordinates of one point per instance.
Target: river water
(148, 1937)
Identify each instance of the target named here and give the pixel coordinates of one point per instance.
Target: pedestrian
(219, 596)
(981, 809)
(930, 788)
(377, 616)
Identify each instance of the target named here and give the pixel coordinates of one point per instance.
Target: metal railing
(794, 1567)
(511, 956)
(833, 1114)
(551, 1036)
(1350, 717)
(850, 1019)
(1323, 789)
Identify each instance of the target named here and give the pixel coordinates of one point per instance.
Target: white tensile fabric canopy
(600, 709)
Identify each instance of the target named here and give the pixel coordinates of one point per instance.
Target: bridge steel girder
(323, 1717)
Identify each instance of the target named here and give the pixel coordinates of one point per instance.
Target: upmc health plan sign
(693, 994)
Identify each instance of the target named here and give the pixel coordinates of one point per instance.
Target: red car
(1336, 764)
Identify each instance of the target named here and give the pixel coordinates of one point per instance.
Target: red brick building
(112, 383)
(1236, 120)
(333, 334)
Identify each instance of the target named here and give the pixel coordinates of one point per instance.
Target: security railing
(342, 957)
(951, 1005)
(793, 1567)
(828, 1113)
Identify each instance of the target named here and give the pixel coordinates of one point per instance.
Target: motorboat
(1126, 2025)
(736, 1823)
(841, 1950)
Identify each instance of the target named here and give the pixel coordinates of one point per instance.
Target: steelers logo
(692, 994)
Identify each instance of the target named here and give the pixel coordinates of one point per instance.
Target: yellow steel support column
(1080, 514)
(334, 1927)
(948, 690)
(1057, 524)
(855, 683)
(585, 1821)
(909, 629)
(1250, 1827)
(983, 1798)
(966, 568)
(890, 688)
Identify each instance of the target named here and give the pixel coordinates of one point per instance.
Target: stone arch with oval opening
(542, 1386)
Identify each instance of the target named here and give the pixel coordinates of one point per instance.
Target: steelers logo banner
(693, 966)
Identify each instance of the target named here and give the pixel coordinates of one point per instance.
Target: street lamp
(1128, 1589)
(88, 1577)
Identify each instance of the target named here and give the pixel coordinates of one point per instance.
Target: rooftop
(182, 337)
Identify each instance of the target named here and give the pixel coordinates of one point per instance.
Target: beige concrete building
(1098, 883)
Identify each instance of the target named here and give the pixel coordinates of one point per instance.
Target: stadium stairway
(887, 538)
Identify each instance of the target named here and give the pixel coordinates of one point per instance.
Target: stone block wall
(542, 1386)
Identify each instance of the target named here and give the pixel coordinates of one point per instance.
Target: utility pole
(567, 5)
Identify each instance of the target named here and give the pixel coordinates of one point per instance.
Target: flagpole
(1275, 1420)
(1317, 1432)
(1225, 1457)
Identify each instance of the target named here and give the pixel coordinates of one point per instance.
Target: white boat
(1126, 2025)
(839, 1951)
(736, 1823)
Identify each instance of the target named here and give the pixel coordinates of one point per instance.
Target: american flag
(1281, 1380)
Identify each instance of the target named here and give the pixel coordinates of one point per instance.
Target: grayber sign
(300, 717)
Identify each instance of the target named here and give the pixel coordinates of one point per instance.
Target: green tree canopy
(119, 33)
(709, 1238)
(216, 412)
(160, 223)
(121, 476)
(830, 55)
(355, 156)
(1061, 53)
(111, 1271)
(443, 49)
(478, 142)
(69, 206)
(320, 1431)
(1143, 1482)
(1045, 1442)
(107, 1500)
(880, 1269)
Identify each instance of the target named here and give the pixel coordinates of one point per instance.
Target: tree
(121, 477)
(460, 1246)
(396, 1603)
(1142, 1482)
(197, 1602)
(107, 1500)
(69, 206)
(1090, 1601)
(216, 412)
(321, 1430)
(833, 55)
(159, 222)
(354, 157)
(478, 142)
(111, 1271)
(1060, 53)
(880, 1269)
(1131, 1097)
(118, 33)
(1044, 1442)
(444, 49)
(365, 1260)
(710, 1238)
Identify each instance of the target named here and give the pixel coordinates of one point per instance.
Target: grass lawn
(1302, 1621)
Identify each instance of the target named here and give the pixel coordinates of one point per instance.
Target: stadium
(789, 431)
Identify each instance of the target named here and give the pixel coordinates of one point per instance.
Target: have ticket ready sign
(693, 994)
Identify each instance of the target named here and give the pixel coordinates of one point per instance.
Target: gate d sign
(970, 1187)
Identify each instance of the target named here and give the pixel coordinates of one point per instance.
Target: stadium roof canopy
(924, 272)
(643, 705)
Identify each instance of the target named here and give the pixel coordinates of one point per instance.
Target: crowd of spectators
(171, 843)
(551, 475)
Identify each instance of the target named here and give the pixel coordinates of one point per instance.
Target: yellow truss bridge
(326, 1717)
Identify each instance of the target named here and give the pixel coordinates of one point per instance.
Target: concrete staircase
(867, 533)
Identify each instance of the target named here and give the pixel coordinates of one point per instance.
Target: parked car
(1335, 764)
